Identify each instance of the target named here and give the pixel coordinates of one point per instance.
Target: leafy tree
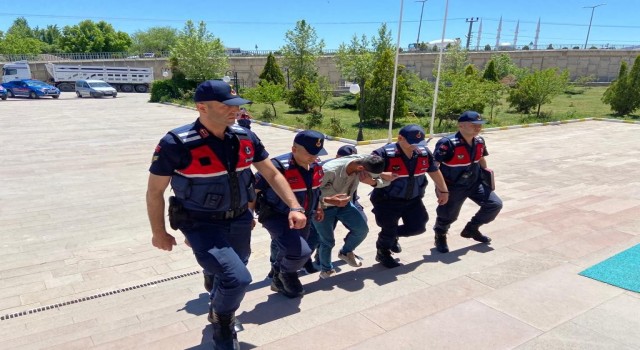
(19, 39)
(619, 94)
(301, 51)
(550, 47)
(378, 101)
(504, 66)
(88, 36)
(487, 47)
(458, 93)
(456, 59)
(525, 48)
(50, 35)
(355, 61)
(301, 96)
(383, 41)
(538, 88)
(420, 94)
(471, 71)
(490, 73)
(14, 44)
(271, 71)
(154, 39)
(493, 92)
(198, 54)
(267, 92)
(20, 28)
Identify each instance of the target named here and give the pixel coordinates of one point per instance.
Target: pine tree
(617, 94)
(271, 71)
(490, 72)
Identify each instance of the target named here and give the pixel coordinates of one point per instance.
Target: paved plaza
(77, 269)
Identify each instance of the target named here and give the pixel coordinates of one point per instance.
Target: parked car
(30, 88)
(3, 93)
(94, 88)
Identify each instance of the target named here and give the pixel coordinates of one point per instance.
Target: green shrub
(163, 90)
(336, 127)
(267, 115)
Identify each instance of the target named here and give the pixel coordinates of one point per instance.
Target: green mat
(621, 270)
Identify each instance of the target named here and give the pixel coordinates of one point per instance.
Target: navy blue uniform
(212, 180)
(402, 199)
(459, 164)
(292, 247)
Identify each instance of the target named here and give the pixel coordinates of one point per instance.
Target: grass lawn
(566, 106)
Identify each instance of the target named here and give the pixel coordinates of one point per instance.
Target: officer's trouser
(292, 247)
(222, 248)
(490, 205)
(388, 213)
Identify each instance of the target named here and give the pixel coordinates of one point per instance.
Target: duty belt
(217, 215)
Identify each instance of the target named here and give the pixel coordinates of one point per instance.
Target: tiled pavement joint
(95, 296)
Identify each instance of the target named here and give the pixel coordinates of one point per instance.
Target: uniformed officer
(304, 176)
(208, 164)
(461, 156)
(407, 160)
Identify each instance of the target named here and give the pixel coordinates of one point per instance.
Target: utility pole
(420, 25)
(591, 20)
(470, 21)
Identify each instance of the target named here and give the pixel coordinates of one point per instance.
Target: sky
(250, 23)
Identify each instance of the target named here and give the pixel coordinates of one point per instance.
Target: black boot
(272, 272)
(471, 231)
(396, 248)
(309, 268)
(224, 333)
(441, 242)
(291, 286)
(237, 325)
(208, 282)
(384, 257)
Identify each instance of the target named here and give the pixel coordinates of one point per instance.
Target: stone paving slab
(73, 219)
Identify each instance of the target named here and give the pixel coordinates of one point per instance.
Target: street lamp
(420, 25)
(591, 20)
(227, 79)
(355, 89)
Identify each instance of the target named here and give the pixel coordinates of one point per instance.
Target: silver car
(94, 88)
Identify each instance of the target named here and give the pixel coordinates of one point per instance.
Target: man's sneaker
(396, 248)
(309, 267)
(473, 232)
(327, 274)
(350, 259)
(291, 286)
(208, 282)
(384, 257)
(441, 242)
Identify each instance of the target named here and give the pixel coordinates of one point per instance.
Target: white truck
(64, 76)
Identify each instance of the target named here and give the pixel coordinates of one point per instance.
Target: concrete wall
(603, 64)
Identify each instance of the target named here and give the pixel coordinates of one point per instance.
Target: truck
(64, 76)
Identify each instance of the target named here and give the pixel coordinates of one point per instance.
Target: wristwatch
(298, 209)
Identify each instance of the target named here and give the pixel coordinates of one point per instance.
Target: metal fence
(236, 52)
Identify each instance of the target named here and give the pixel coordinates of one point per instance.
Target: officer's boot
(291, 286)
(208, 282)
(396, 248)
(224, 333)
(384, 257)
(471, 231)
(309, 268)
(441, 242)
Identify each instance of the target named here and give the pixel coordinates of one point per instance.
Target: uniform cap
(347, 150)
(472, 117)
(218, 90)
(414, 134)
(312, 141)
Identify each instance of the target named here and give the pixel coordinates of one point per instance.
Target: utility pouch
(177, 214)
(487, 177)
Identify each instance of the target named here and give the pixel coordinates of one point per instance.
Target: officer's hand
(319, 215)
(297, 220)
(388, 176)
(163, 241)
(443, 197)
(365, 178)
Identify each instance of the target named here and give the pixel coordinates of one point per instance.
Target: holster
(177, 214)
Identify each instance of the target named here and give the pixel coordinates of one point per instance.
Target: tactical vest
(407, 185)
(307, 196)
(206, 184)
(461, 169)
